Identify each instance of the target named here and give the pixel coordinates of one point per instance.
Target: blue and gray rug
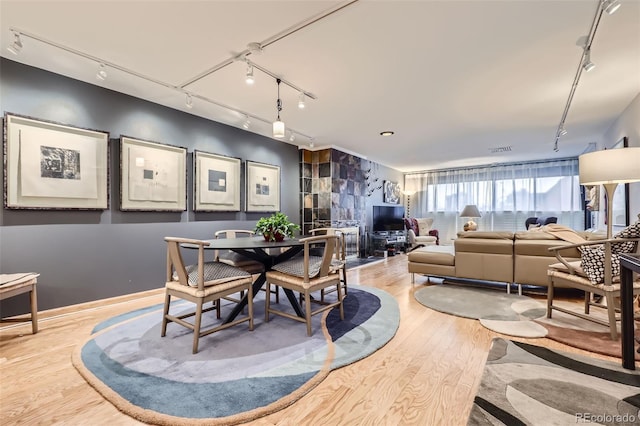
(237, 375)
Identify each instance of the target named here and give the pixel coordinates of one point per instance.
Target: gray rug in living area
(530, 385)
(509, 314)
(237, 375)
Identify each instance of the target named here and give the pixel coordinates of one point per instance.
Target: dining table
(268, 253)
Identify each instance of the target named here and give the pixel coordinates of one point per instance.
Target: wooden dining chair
(306, 274)
(339, 260)
(201, 283)
(239, 261)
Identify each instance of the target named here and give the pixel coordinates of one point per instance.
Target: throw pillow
(593, 264)
(631, 231)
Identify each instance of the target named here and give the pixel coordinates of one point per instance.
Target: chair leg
(587, 302)
(611, 310)
(250, 306)
(196, 326)
(344, 275)
(217, 303)
(307, 310)
(341, 300)
(34, 310)
(267, 302)
(550, 298)
(165, 312)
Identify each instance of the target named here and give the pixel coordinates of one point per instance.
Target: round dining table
(261, 250)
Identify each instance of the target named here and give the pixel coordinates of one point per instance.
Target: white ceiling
(452, 78)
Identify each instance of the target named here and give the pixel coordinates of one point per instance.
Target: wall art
(49, 165)
(216, 182)
(153, 176)
(263, 187)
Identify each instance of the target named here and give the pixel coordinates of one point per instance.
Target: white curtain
(506, 195)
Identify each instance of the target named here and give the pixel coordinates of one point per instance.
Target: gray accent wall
(88, 255)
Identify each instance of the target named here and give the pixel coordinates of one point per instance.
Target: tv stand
(388, 243)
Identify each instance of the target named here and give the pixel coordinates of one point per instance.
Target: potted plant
(276, 227)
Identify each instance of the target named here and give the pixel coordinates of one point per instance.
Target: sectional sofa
(514, 258)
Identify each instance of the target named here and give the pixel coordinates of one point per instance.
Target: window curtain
(506, 195)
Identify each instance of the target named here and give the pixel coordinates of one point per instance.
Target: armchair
(539, 221)
(598, 273)
(420, 232)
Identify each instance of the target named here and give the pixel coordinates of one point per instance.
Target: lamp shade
(610, 166)
(470, 210)
(278, 129)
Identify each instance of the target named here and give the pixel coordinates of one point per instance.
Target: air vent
(500, 149)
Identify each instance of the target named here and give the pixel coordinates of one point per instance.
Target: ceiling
(453, 79)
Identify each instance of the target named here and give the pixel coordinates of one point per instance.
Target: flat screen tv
(388, 218)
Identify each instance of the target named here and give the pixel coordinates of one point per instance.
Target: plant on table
(276, 227)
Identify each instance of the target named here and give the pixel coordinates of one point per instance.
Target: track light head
(292, 137)
(189, 101)
(278, 125)
(16, 46)
(301, 99)
(247, 123)
(587, 65)
(563, 131)
(610, 6)
(102, 73)
(249, 78)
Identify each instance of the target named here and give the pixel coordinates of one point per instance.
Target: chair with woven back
(239, 261)
(307, 274)
(201, 283)
(339, 261)
(597, 272)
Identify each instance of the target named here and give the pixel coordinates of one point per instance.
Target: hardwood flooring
(426, 375)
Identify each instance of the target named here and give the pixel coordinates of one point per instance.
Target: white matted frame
(263, 187)
(51, 166)
(153, 176)
(216, 182)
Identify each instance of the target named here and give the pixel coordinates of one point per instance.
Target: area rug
(583, 334)
(504, 313)
(237, 375)
(529, 385)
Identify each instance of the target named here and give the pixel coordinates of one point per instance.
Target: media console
(388, 243)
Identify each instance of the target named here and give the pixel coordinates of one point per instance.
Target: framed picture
(153, 176)
(391, 192)
(216, 182)
(263, 187)
(620, 216)
(53, 166)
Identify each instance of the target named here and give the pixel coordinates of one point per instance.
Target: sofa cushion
(430, 256)
(540, 247)
(493, 235)
(484, 245)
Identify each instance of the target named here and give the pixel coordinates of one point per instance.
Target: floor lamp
(609, 168)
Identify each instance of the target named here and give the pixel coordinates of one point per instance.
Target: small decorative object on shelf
(276, 227)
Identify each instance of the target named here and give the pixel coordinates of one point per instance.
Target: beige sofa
(513, 258)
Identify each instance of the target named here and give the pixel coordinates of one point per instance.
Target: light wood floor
(426, 375)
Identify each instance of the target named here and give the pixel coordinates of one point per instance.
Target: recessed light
(386, 133)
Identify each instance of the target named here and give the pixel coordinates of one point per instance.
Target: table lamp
(470, 211)
(610, 167)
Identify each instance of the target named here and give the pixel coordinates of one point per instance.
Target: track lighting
(292, 137)
(610, 6)
(249, 78)
(278, 126)
(301, 100)
(246, 123)
(189, 101)
(563, 131)
(587, 65)
(16, 46)
(102, 73)
(311, 144)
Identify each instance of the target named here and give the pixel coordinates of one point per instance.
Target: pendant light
(278, 125)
